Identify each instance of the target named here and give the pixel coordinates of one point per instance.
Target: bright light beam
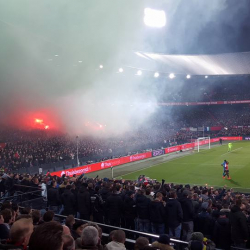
(154, 18)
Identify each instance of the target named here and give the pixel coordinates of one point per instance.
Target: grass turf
(205, 168)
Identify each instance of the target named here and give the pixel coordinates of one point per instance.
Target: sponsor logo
(173, 149)
(137, 157)
(63, 172)
(77, 171)
(102, 165)
(157, 152)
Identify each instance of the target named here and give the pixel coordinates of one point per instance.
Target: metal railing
(128, 231)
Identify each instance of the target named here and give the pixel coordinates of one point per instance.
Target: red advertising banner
(102, 165)
(202, 103)
(126, 159)
(187, 146)
(236, 138)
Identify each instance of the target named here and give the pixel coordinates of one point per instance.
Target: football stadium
(124, 125)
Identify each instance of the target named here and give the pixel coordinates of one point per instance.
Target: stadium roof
(218, 64)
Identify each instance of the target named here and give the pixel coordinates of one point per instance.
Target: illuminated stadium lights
(139, 72)
(120, 70)
(56, 55)
(188, 76)
(80, 61)
(171, 76)
(206, 76)
(156, 74)
(154, 18)
(101, 66)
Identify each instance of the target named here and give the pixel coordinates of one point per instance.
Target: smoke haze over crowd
(50, 52)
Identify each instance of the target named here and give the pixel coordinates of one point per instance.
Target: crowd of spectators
(24, 149)
(200, 215)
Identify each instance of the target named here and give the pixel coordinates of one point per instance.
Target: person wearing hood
(222, 232)
(174, 215)
(68, 201)
(84, 202)
(238, 220)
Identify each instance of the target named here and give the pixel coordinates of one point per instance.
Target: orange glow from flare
(40, 121)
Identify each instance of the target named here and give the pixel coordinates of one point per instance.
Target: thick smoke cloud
(50, 52)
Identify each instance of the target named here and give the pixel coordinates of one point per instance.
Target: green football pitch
(204, 168)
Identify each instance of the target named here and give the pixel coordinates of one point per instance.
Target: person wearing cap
(163, 243)
(188, 215)
(222, 232)
(199, 237)
(204, 221)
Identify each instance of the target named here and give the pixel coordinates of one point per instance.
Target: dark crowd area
(202, 216)
(33, 148)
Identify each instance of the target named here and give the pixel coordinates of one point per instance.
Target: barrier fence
(137, 157)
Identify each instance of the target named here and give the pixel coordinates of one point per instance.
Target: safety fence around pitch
(137, 157)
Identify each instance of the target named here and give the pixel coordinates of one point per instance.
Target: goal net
(202, 143)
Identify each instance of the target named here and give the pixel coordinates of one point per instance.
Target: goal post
(202, 141)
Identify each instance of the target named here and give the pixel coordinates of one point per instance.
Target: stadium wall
(137, 157)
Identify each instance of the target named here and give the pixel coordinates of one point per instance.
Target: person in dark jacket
(204, 222)
(114, 206)
(129, 210)
(174, 215)
(188, 215)
(238, 220)
(68, 201)
(84, 203)
(142, 210)
(97, 206)
(222, 232)
(53, 197)
(157, 215)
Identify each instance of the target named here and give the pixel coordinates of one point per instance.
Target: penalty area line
(232, 151)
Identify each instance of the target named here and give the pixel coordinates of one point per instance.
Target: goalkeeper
(226, 170)
(230, 145)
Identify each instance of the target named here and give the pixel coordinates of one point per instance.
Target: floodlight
(188, 76)
(120, 70)
(139, 72)
(156, 74)
(171, 76)
(101, 66)
(80, 61)
(154, 18)
(206, 76)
